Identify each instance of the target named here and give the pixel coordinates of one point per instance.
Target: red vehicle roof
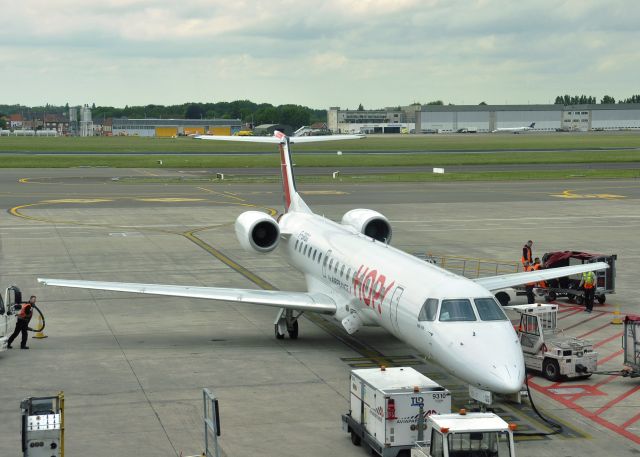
(553, 258)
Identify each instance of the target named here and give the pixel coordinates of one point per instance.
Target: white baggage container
(386, 406)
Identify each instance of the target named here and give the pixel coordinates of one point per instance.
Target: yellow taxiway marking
(569, 194)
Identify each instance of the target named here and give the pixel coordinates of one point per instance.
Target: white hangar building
(486, 118)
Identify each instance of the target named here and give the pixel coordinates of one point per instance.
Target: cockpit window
(456, 310)
(429, 310)
(489, 310)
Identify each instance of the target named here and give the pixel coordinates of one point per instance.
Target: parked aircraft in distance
(353, 275)
(515, 129)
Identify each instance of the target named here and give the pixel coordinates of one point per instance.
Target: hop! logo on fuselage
(370, 287)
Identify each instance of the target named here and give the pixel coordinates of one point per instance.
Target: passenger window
(429, 310)
(330, 264)
(304, 251)
(320, 257)
(297, 242)
(335, 269)
(342, 271)
(489, 310)
(456, 310)
(315, 251)
(348, 273)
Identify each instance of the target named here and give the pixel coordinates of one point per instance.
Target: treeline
(245, 110)
(588, 100)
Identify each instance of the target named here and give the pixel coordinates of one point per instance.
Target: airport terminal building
(485, 118)
(168, 128)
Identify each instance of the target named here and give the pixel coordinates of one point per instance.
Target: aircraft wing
(242, 139)
(316, 139)
(276, 139)
(300, 301)
(517, 279)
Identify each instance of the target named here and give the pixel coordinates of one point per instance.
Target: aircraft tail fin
(533, 124)
(292, 200)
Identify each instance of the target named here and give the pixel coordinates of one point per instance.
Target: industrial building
(169, 128)
(484, 118)
(487, 118)
(388, 120)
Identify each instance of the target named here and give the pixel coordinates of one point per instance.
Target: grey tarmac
(132, 367)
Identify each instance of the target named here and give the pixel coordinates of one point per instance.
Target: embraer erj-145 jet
(515, 129)
(355, 276)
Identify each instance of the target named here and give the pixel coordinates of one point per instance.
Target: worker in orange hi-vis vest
(537, 266)
(527, 255)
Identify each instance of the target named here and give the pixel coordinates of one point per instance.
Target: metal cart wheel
(602, 298)
(552, 296)
(551, 369)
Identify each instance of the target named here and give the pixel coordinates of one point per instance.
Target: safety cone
(40, 334)
(617, 320)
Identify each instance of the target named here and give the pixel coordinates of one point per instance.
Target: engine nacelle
(257, 232)
(370, 223)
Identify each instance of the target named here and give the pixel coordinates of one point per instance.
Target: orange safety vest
(528, 255)
(23, 314)
(530, 268)
(537, 266)
(589, 280)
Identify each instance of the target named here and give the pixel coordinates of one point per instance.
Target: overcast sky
(316, 53)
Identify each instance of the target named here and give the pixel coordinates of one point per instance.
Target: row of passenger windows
(339, 269)
(456, 310)
(309, 251)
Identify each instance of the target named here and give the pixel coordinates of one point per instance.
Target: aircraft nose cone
(506, 379)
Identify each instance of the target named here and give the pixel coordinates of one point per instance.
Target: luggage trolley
(631, 346)
(568, 286)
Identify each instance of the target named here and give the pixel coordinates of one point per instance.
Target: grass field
(547, 149)
(347, 159)
(483, 142)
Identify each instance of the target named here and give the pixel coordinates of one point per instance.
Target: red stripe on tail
(285, 178)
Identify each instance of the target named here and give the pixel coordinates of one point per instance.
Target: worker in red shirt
(22, 323)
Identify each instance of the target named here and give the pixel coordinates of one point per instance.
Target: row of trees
(245, 110)
(588, 100)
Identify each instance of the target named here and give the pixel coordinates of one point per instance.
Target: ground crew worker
(588, 282)
(531, 298)
(526, 254)
(537, 266)
(22, 323)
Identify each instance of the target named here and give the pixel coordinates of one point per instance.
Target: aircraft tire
(551, 369)
(279, 336)
(355, 439)
(293, 331)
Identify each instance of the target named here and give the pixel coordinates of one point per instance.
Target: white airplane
(515, 129)
(355, 276)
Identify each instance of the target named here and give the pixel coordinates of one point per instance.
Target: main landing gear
(287, 321)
